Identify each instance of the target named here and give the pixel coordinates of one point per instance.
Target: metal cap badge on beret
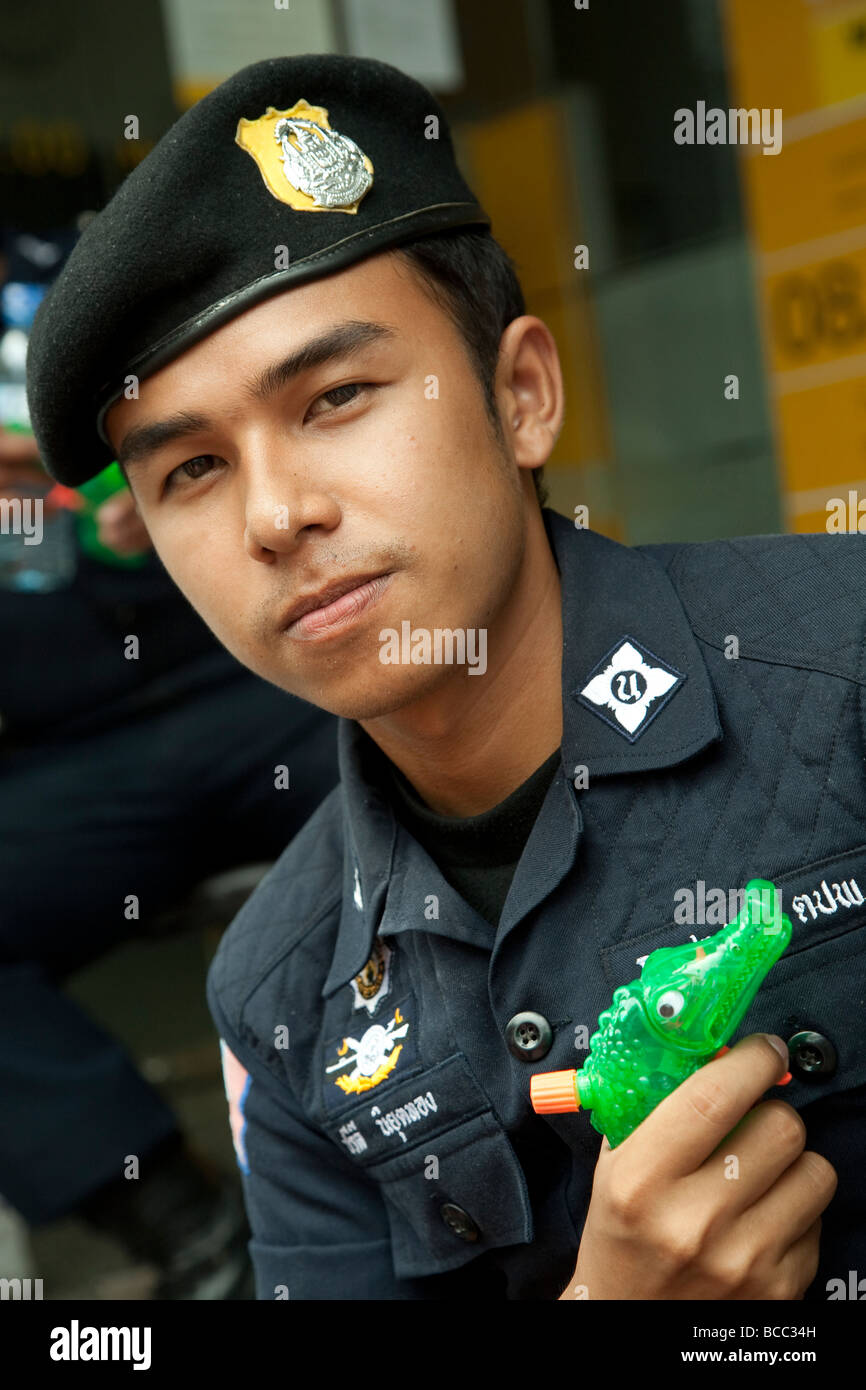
(291, 169)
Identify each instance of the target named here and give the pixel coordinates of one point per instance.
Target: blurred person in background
(122, 781)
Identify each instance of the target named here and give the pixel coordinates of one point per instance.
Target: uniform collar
(611, 594)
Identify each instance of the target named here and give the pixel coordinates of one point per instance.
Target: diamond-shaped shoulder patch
(629, 686)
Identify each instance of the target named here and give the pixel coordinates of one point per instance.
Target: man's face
(375, 470)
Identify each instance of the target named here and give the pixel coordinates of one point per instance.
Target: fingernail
(779, 1044)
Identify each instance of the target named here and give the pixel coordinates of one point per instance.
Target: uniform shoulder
(798, 599)
(300, 891)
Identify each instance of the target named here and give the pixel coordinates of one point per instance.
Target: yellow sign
(840, 52)
(807, 209)
(816, 315)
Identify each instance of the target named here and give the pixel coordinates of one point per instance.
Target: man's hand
(120, 526)
(708, 1198)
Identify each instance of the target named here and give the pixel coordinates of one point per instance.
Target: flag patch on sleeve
(237, 1082)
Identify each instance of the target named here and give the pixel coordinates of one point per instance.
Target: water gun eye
(670, 1004)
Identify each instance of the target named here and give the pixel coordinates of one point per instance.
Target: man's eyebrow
(142, 440)
(340, 341)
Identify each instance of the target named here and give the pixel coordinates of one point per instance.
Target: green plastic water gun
(96, 491)
(679, 1015)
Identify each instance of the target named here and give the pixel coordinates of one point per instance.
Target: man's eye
(337, 395)
(193, 469)
(190, 469)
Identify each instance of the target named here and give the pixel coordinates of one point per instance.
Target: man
(542, 739)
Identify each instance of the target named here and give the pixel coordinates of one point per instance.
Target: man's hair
(473, 279)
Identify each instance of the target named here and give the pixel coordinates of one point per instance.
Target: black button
(528, 1036)
(812, 1055)
(459, 1221)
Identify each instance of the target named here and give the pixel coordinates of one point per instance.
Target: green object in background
(687, 1003)
(96, 491)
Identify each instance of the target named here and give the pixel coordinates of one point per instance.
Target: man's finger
(685, 1128)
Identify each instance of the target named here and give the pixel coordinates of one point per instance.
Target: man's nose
(280, 501)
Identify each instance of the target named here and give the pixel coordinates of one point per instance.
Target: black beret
(331, 157)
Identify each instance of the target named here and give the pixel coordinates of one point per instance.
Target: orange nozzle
(62, 496)
(554, 1092)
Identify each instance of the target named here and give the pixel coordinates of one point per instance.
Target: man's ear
(529, 387)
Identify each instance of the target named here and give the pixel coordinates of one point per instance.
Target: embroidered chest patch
(629, 687)
(360, 1063)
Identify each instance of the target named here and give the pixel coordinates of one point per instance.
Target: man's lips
(334, 605)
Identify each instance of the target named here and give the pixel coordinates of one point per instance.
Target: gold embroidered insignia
(372, 1057)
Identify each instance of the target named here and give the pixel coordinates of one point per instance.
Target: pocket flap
(431, 1142)
(470, 1172)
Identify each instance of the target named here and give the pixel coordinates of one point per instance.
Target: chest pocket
(814, 997)
(452, 1183)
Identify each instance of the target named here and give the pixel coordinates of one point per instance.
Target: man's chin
(385, 694)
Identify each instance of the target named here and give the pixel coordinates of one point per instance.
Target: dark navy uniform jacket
(379, 1099)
